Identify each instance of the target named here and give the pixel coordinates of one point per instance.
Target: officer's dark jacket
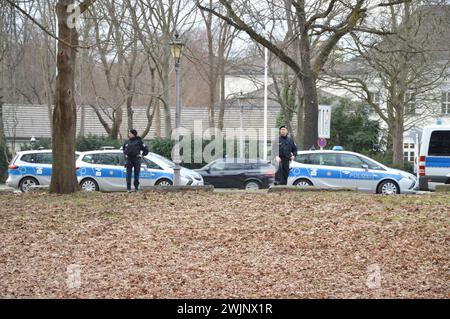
(133, 147)
(286, 147)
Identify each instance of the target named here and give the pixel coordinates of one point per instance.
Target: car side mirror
(208, 170)
(365, 166)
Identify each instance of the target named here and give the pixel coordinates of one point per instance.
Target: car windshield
(164, 160)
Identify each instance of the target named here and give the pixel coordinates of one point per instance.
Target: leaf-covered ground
(250, 245)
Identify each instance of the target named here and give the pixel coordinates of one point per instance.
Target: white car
(332, 169)
(104, 171)
(30, 168)
(434, 157)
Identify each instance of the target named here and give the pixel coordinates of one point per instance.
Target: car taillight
(13, 166)
(422, 160)
(269, 173)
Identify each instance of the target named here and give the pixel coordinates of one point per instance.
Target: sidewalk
(4, 188)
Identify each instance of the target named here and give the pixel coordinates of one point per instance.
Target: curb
(443, 188)
(302, 189)
(39, 189)
(176, 189)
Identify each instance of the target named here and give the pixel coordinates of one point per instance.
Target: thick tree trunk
(311, 107)
(64, 179)
(397, 140)
(166, 96)
(308, 81)
(300, 116)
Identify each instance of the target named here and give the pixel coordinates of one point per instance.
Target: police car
(434, 157)
(30, 168)
(331, 169)
(104, 171)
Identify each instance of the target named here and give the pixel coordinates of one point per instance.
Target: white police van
(336, 168)
(104, 171)
(434, 157)
(30, 168)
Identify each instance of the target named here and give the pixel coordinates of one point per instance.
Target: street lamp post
(176, 47)
(241, 126)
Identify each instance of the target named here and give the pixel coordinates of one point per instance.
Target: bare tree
(220, 36)
(399, 75)
(328, 20)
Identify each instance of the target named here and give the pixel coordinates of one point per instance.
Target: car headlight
(409, 176)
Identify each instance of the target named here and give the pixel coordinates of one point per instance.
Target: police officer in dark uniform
(285, 151)
(133, 157)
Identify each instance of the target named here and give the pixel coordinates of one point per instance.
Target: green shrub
(386, 158)
(352, 128)
(4, 154)
(161, 146)
(95, 142)
(41, 143)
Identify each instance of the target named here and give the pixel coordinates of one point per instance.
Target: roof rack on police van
(107, 148)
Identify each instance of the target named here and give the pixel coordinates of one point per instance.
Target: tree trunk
(300, 115)
(117, 122)
(166, 96)
(130, 111)
(158, 120)
(308, 81)
(397, 140)
(64, 179)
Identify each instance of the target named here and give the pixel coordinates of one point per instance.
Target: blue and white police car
(332, 169)
(104, 171)
(434, 157)
(29, 168)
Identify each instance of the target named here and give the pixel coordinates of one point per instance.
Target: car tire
(164, 182)
(26, 183)
(303, 182)
(388, 187)
(89, 185)
(252, 185)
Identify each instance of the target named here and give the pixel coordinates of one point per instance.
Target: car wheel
(164, 182)
(252, 185)
(89, 185)
(388, 188)
(303, 183)
(26, 183)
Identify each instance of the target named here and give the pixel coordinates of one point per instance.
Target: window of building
(409, 152)
(445, 103)
(410, 103)
(375, 97)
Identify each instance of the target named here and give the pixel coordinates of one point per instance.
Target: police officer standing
(285, 150)
(133, 157)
